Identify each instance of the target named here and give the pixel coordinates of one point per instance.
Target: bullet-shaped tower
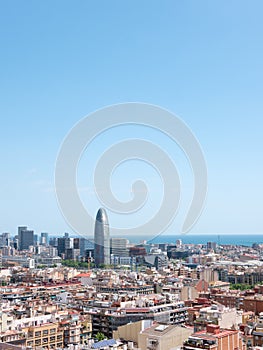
(102, 239)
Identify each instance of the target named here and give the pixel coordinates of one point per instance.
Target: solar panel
(103, 343)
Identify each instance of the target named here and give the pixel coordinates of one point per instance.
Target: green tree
(241, 286)
(100, 336)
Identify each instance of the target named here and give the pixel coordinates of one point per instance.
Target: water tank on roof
(130, 345)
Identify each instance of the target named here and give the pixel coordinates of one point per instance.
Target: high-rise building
(20, 229)
(76, 243)
(5, 239)
(44, 238)
(72, 253)
(118, 247)
(53, 241)
(72, 248)
(25, 238)
(102, 239)
(36, 239)
(64, 243)
(86, 245)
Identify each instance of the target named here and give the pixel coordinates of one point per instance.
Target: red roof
(223, 333)
(84, 274)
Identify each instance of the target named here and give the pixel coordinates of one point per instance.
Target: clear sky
(202, 60)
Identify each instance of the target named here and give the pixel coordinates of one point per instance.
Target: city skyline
(131, 175)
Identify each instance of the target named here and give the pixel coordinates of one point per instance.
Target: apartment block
(214, 338)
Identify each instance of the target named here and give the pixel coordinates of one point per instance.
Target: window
(30, 334)
(153, 342)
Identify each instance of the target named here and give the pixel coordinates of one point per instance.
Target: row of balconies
(44, 341)
(9, 338)
(51, 338)
(189, 345)
(39, 335)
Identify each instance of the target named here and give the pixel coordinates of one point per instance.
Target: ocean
(231, 239)
(234, 239)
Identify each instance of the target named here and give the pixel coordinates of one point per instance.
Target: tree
(100, 336)
(241, 286)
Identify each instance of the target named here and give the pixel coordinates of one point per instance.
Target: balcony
(191, 345)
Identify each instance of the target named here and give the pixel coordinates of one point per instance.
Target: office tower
(20, 229)
(61, 246)
(5, 239)
(44, 238)
(86, 245)
(35, 239)
(72, 248)
(64, 243)
(25, 238)
(118, 247)
(53, 241)
(15, 243)
(76, 243)
(102, 239)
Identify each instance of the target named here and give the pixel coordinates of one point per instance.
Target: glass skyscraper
(101, 239)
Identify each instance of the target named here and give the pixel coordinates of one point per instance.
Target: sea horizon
(221, 239)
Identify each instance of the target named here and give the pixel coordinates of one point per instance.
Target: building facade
(25, 238)
(102, 239)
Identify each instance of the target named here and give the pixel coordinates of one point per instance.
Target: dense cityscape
(131, 181)
(107, 293)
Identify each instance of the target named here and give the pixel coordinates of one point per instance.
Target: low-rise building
(163, 337)
(45, 336)
(214, 338)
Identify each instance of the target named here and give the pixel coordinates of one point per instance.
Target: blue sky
(202, 60)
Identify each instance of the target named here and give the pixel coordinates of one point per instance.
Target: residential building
(163, 337)
(214, 338)
(45, 336)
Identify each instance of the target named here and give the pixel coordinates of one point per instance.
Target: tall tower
(102, 239)
(25, 237)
